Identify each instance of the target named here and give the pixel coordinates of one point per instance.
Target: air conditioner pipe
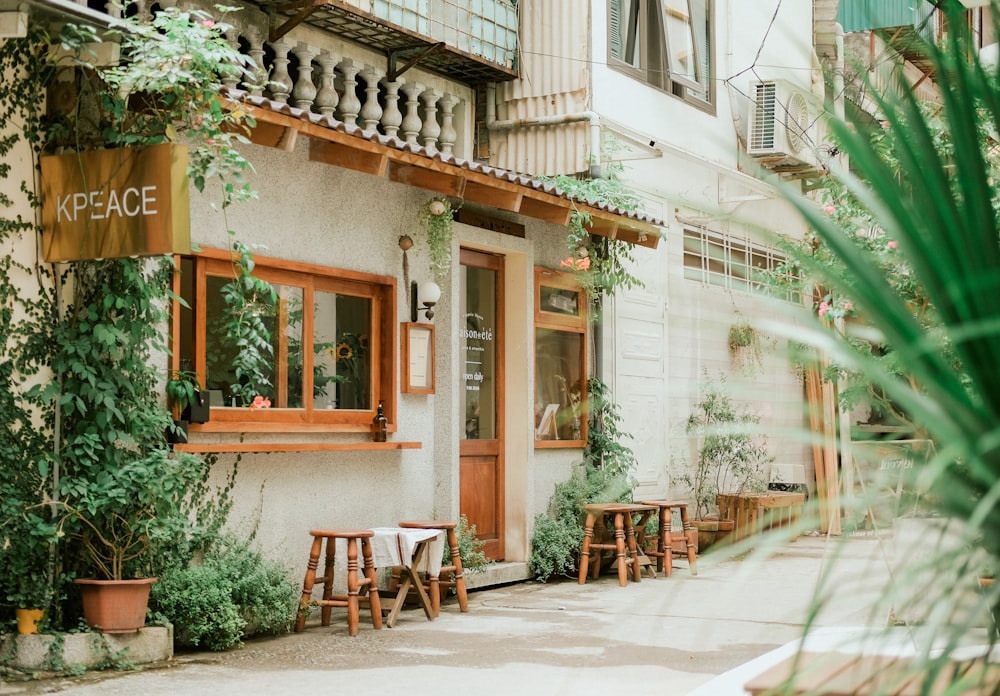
(493, 125)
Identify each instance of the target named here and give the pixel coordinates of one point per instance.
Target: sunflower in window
(343, 352)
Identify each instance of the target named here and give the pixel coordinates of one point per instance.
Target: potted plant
(26, 536)
(730, 458)
(121, 487)
(185, 392)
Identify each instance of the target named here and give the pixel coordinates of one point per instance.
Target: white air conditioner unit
(784, 131)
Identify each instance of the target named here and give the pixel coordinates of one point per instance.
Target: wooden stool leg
(456, 560)
(353, 611)
(374, 603)
(307, 584)
(692, 554)
(588, 535)
(328, 564)
(666, 548)
(633, 548)
(434, 585)
(620, 548)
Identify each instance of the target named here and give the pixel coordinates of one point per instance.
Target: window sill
(210, 447)
(560, 444)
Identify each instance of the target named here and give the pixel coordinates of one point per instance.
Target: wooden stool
(624, 537)
(352, 599)
(664, 547)
(434, 583)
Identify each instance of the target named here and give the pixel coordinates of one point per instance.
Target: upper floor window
(736, 264)
(666, 43)
(325, 356)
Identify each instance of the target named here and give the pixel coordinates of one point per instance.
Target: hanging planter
(437, 218)
(745, 345)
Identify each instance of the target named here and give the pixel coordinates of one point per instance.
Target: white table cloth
(394, 546)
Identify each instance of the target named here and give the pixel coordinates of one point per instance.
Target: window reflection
(559, 385)
(340, 349)
(341, 340)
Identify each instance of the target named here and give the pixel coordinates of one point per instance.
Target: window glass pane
(716, 254)
(682, 55)
(626, 37)
(738, 261)
(478, 336)
(342, 367)
(228, 371)
(559, 385)
(287, 334)
(559, 300)
(702, 36)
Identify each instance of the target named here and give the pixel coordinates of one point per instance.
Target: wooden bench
(757, 512)
(840, 674)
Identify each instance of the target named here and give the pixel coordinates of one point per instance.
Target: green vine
(249, 301)
(168, 89)
(27, 312)
(122, 496)
(600, 264)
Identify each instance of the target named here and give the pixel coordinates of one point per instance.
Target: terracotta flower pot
(115, 606)
(28, 620)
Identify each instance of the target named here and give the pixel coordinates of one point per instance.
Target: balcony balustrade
(306, 71)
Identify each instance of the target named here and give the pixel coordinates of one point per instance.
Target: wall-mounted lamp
(423, 298)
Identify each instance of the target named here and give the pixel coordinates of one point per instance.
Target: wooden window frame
(311, 277)
(576, 324)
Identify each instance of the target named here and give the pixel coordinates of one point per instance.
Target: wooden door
(481, 466)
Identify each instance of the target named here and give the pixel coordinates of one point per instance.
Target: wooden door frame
(494, 262)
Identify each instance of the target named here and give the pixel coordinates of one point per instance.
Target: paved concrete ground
(664, 636)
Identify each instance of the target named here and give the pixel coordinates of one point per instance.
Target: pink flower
(208, 23)
(829, 210)
(848, 306)
(567, 263)
(583, 264)
(891, 244)
(260, 402)
(823, 309)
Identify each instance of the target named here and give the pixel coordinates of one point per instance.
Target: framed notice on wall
(417, 358)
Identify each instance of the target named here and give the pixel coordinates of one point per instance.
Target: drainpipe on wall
(493, 125)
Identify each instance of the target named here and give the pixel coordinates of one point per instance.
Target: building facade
(375, 109)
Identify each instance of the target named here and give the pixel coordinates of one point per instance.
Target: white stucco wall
(320, 214)
(661, 341)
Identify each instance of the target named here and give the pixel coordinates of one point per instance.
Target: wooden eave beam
(499, 195)
(341, 149)
(343, 155)
(431, 178)
(273, 135)
(550, 208)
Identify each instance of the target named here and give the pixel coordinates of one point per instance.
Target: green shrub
(198, 601)
(470, 548)
(554, 547)
(234, 593)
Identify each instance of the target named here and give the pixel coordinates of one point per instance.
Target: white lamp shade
(429, 293)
